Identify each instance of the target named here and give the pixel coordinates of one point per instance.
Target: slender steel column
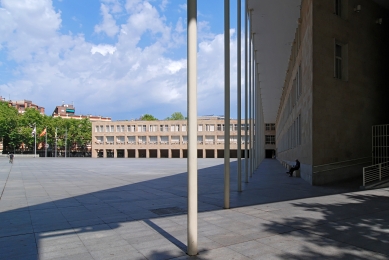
(246, 163)
(192, 127)
(226, 104)
(46, 143)
(250, 91)
(239, 137)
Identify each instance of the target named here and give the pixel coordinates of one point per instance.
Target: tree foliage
(176, 116)
(16, 130)
(148, 117)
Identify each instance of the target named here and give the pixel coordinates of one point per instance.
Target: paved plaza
(84, 208)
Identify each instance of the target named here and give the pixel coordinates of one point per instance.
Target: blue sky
(116, 58)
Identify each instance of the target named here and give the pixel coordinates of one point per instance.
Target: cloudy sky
(116, 58)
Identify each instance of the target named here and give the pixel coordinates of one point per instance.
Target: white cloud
(106, 78)
(108, 25)
(103, 49)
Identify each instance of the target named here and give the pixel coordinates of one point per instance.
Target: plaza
(86, 208)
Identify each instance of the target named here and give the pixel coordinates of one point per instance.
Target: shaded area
(67, 210)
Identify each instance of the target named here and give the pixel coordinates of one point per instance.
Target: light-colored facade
(336, 89)
(162, 139)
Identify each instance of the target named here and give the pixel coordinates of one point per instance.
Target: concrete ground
(83, 208)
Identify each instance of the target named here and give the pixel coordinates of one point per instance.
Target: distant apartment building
(162, 138)
(68, 111)
(21, 105)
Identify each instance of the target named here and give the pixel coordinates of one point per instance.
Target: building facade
(336, 88)
(21, 105)
(68, 111)
(162, 139)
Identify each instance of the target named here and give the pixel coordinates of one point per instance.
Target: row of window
(208, 139)
(164, 128)
(270, 127)
(292, 138)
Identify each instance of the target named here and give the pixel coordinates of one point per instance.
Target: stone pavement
(84, 208)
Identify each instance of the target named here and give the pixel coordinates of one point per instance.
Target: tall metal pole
(192, 126)
(227, 104)
(66, 140)
(239, 97)
(46, 143)
(34, 140)
(246, 163)
(250, 89)
(55, 153)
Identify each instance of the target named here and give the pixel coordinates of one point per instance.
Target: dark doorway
(175, 153)
(110, 153)
(142, 153)
(220, 153)
(209, 153)
(269, 153)
(164, 153)
(153, 153)
(199, 153)
(233, 154)
(184, 153)
(131, 153)
(100, 153)
(120, 153)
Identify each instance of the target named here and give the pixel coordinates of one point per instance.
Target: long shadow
(22, 228)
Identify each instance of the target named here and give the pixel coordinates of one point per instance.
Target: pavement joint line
(6, 181)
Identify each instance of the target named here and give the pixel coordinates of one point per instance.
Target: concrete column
(181, 153)
(204, 151)
(125, 153)
(136, 153)
(94, 153)
(239, 96)
(246, 172)
(169, 151)
(158, 153)
(192, 127)
(226, 104)
(147, 153)
(215, 153)
(104, 153)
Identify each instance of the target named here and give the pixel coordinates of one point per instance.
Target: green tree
(148, 117)
(8, 124)
(176, 116)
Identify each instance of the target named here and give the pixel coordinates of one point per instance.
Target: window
(235, 127)
(200, 128)
(184, 139)
(175, 128)
(200, 139)
(153, 128)
(175, 139)
(101, 128)
(338, 61)
(109, 139)
(153, 139)
(164, 139)
(131, 139)
(273, 127)
(338, 7)
(97, 129)
(131, 128)
(183, 128)
(220, 127)
(142, 139)
(112, 128)
(270, 139)
(164, 128)
(107, 129)
(267, 127)
(99, 139)
(120, 139)
(210, 128)
(142, 128)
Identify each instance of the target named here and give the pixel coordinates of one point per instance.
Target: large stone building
(336, 88)
(162, 138)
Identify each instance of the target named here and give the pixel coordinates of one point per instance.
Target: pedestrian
(294, 168)
(11, 158)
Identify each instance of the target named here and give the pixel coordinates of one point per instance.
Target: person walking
(11, 158)
(294, 168)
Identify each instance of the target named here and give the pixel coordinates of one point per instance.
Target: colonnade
(253, 111)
